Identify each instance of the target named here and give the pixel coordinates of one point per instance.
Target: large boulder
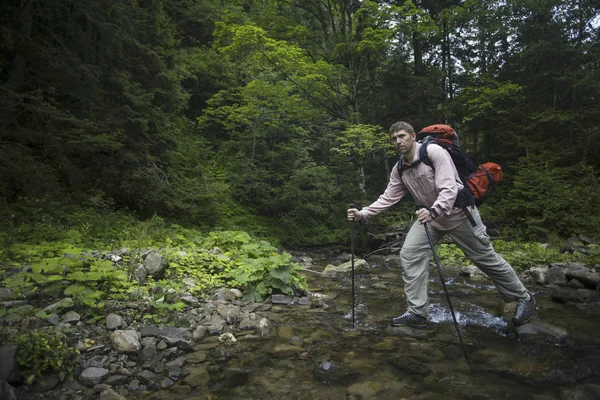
(154, 264)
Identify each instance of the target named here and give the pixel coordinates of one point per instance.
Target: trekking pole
(437, 264)
(352, 253)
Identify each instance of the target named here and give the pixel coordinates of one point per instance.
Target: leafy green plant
(45, 351)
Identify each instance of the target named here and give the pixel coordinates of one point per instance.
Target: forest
(271, 116)
(156, 152)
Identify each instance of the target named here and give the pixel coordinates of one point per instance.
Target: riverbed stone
(173, 336)
(125, 341)
(286, 350)
(364, 390)
(587, 391)
(110, 394)
(542, 332)
(584, 276)
(361, 266)
(93, 376)
(198, 376)
(113, 321)
(556, 275)
(199, 333)
(281, 299)
(568, 295)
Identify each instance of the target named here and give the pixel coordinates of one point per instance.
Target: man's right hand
(354, 214)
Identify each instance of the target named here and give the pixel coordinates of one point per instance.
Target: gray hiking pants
(474, 242)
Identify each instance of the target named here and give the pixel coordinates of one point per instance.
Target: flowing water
(315, 353)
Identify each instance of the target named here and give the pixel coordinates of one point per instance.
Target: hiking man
(436, 188)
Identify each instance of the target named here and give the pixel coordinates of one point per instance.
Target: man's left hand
(423, 215)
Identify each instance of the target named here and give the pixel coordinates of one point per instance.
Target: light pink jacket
(436, 190)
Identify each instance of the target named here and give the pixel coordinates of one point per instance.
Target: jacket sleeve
(393, 194)
(447, 181)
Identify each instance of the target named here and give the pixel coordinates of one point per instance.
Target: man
(436, 188)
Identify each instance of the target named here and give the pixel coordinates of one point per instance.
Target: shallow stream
(316, 353)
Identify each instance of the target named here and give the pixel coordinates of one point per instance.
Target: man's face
(403, 141)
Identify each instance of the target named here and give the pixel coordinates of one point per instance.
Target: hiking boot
(410, 319)
(524, 310)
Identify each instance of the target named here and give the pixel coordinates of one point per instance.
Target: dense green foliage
(270, 116)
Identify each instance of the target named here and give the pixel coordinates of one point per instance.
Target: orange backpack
(478, 179)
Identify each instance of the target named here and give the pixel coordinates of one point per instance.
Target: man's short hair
(401, 125)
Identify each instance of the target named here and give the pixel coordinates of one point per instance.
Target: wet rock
(110, 394)
(409, 331)
(286, 350)
(567, 295)
(581, 392)
(155, 264)
(147, 377)
(584, 276)
(196, 357)
(364, 390)
(541, 332)
(93, 376)
(556, 275)
(113, 321)
(408, 365)
(281, 299)
(125, 341)
(198, 376)
(285, 332)
(148, 353)
(135, 387)
(360, 267)
(9, 367)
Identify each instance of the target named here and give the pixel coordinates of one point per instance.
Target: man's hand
(424, 215)
(354, 214)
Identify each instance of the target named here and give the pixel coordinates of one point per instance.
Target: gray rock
(71, 317)
(155, 264)
(281, 299)
(9, 367)
(140, 274)
(61, 304)
(190, 300)
(233, 294)
(200, 333)
(166, 383)
(116, 380)
(93, 376)
(360, 267)
(148, 353)
(135, 387)
(113, 321)
(150, 330)
(5, 294)
(538, 275)
(125, 341)
(110, 394)
(541, 332)
(584, 276)
(233, 315)
(247, 324)
(147, 377)
(556, 275)
(179, 337)
(566, 295)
